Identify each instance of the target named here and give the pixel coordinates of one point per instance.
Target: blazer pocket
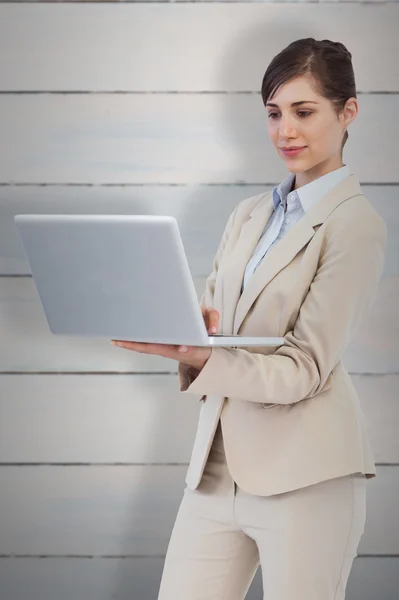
(269, 404)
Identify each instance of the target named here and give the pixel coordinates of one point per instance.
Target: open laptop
(123, 277)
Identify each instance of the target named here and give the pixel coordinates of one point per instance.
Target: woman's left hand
(195, 356)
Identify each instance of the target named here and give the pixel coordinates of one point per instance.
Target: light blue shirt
(297, 202)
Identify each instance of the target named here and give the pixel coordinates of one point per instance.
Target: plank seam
(92, 464)
(127, 556)
(169, 92)
(11, 184)
(125, 464)
(172, 373)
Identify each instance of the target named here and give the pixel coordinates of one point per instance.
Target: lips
(292, 150)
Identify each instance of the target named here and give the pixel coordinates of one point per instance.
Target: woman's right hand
(211, 319)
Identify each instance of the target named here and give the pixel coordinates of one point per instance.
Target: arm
(340, 296)
(186, 373)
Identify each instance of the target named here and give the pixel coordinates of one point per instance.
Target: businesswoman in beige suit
(281, 457)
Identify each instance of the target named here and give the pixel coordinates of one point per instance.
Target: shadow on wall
(250, 138)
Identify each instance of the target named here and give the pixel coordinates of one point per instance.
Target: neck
(315, 172)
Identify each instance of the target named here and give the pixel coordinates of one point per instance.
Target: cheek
(272, 131)
(320, 133)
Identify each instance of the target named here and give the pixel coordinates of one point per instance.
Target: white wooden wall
(155, 108)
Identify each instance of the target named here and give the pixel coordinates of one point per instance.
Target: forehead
(296, 90)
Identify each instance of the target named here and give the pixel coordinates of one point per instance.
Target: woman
(281, 457)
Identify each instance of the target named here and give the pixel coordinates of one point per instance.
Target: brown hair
(328, 64)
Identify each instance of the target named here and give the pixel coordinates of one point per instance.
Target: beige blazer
(290, 415)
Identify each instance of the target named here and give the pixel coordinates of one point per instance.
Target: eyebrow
(294, 103)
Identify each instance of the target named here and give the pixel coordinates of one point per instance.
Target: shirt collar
(310, 193)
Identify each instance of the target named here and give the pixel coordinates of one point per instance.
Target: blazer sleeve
(186, 373)
(340, 296)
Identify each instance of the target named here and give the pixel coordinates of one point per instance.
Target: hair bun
(339, 46)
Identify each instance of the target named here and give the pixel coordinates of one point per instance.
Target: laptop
(123, 277)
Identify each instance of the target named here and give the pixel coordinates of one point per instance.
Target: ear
(349, 112)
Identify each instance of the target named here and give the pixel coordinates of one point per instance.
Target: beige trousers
(305, 540)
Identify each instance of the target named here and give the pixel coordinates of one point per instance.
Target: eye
(303, 113)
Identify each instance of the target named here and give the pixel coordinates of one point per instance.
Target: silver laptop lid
(113, 276)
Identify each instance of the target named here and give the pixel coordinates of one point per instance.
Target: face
(297, 116)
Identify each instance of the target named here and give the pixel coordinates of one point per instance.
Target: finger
(128, 345)
(139, 346)
(205, 316)
(213, 320)
(184, 349)
(166, 350)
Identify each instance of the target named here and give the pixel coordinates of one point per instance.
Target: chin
(296, 166)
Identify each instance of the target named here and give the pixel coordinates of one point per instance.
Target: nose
(286, 128)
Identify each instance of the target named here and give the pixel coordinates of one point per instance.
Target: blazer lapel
(237, 305)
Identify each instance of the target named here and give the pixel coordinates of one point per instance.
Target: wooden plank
(378, 396)
(201, 212)
(168, 138)
(184, 46)
(139, 578)
(108, 419)
(190, 1)
(118, 510)
(98, 418)
(29, 346)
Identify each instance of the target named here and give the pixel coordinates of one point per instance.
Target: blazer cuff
(203, 382)
(186, 375)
